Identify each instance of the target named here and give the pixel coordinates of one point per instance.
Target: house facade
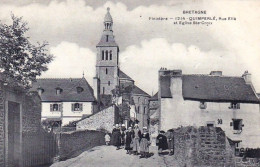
(230, 103)
(65, 100)
(109, 77)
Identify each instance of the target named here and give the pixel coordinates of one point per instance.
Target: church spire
(108, 21)
(107, 38)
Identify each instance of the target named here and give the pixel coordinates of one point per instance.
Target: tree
(20, 60)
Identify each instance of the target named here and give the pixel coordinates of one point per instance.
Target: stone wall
(31, 113)
(1, 127)
(247, 162)
(103, 120)
(72, 143)
(204, 146)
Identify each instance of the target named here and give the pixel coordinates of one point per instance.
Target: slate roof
(213, 88)
(107, 43)
(137, 90)
(122, 75)
(108, 17)
(154, 97)
(69, 89)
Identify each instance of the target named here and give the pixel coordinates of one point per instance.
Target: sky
(74, 27)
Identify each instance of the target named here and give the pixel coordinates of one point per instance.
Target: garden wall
(72, 143)
(204, 146)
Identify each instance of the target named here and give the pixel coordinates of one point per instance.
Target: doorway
(13, 123)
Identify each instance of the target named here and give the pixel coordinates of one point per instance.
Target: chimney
(216, 73)
(96, 87)
(247, 77)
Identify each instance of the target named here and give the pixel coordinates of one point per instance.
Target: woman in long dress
(144, 144)
(128, 140)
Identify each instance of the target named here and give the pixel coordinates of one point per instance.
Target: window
(106, 55)
(55, 107)
(237, 124)
(107, 38)
(76, 107)
(103, 55)
(103, 90)
(139, 100)
(234, 106)
(108, 83)
(203, 105)
(144, 110)
(79, 89)
(58, 90)
(106, 71)
(110, 54)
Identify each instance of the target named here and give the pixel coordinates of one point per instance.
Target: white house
(65, 100)
(230, 103)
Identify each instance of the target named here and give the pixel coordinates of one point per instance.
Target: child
(107, 139)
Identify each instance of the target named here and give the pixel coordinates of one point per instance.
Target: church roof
(69, 89)
(137, 90)
(108, 17)
(107, 40)
(122, 75)
(154, 97)
(212, 88)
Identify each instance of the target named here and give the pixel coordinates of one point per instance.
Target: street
(108, 156)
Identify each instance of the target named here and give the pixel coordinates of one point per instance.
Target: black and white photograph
(138, 83)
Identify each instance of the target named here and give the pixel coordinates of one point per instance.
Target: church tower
(107, 59)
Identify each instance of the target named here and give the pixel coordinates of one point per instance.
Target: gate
(39, 148)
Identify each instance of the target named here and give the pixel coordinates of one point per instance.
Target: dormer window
(203, 105)
(79, 89)
(77, 107)
(40, 91)
(58, 91)
(234, 105)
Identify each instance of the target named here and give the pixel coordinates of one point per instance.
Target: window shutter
(51, 107)
(59, 107)
(72, 107)
(80, 107)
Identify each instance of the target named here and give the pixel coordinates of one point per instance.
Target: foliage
(19, 58)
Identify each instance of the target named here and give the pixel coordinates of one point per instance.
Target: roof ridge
(227, 76)
(55, 78)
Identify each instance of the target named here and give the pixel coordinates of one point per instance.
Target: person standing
(144, 144)
(136, 140)
(161, 142)
(117, 137)
(107, 139)
(122, 132)
(128, 140)
(170, 140)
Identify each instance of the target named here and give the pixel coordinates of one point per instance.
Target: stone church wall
(103, 120)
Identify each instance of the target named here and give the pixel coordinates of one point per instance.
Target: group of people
(136, 142)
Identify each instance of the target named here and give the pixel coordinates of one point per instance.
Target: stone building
(230, 103)
(20, 114)
(65, 99)
(109, 77)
